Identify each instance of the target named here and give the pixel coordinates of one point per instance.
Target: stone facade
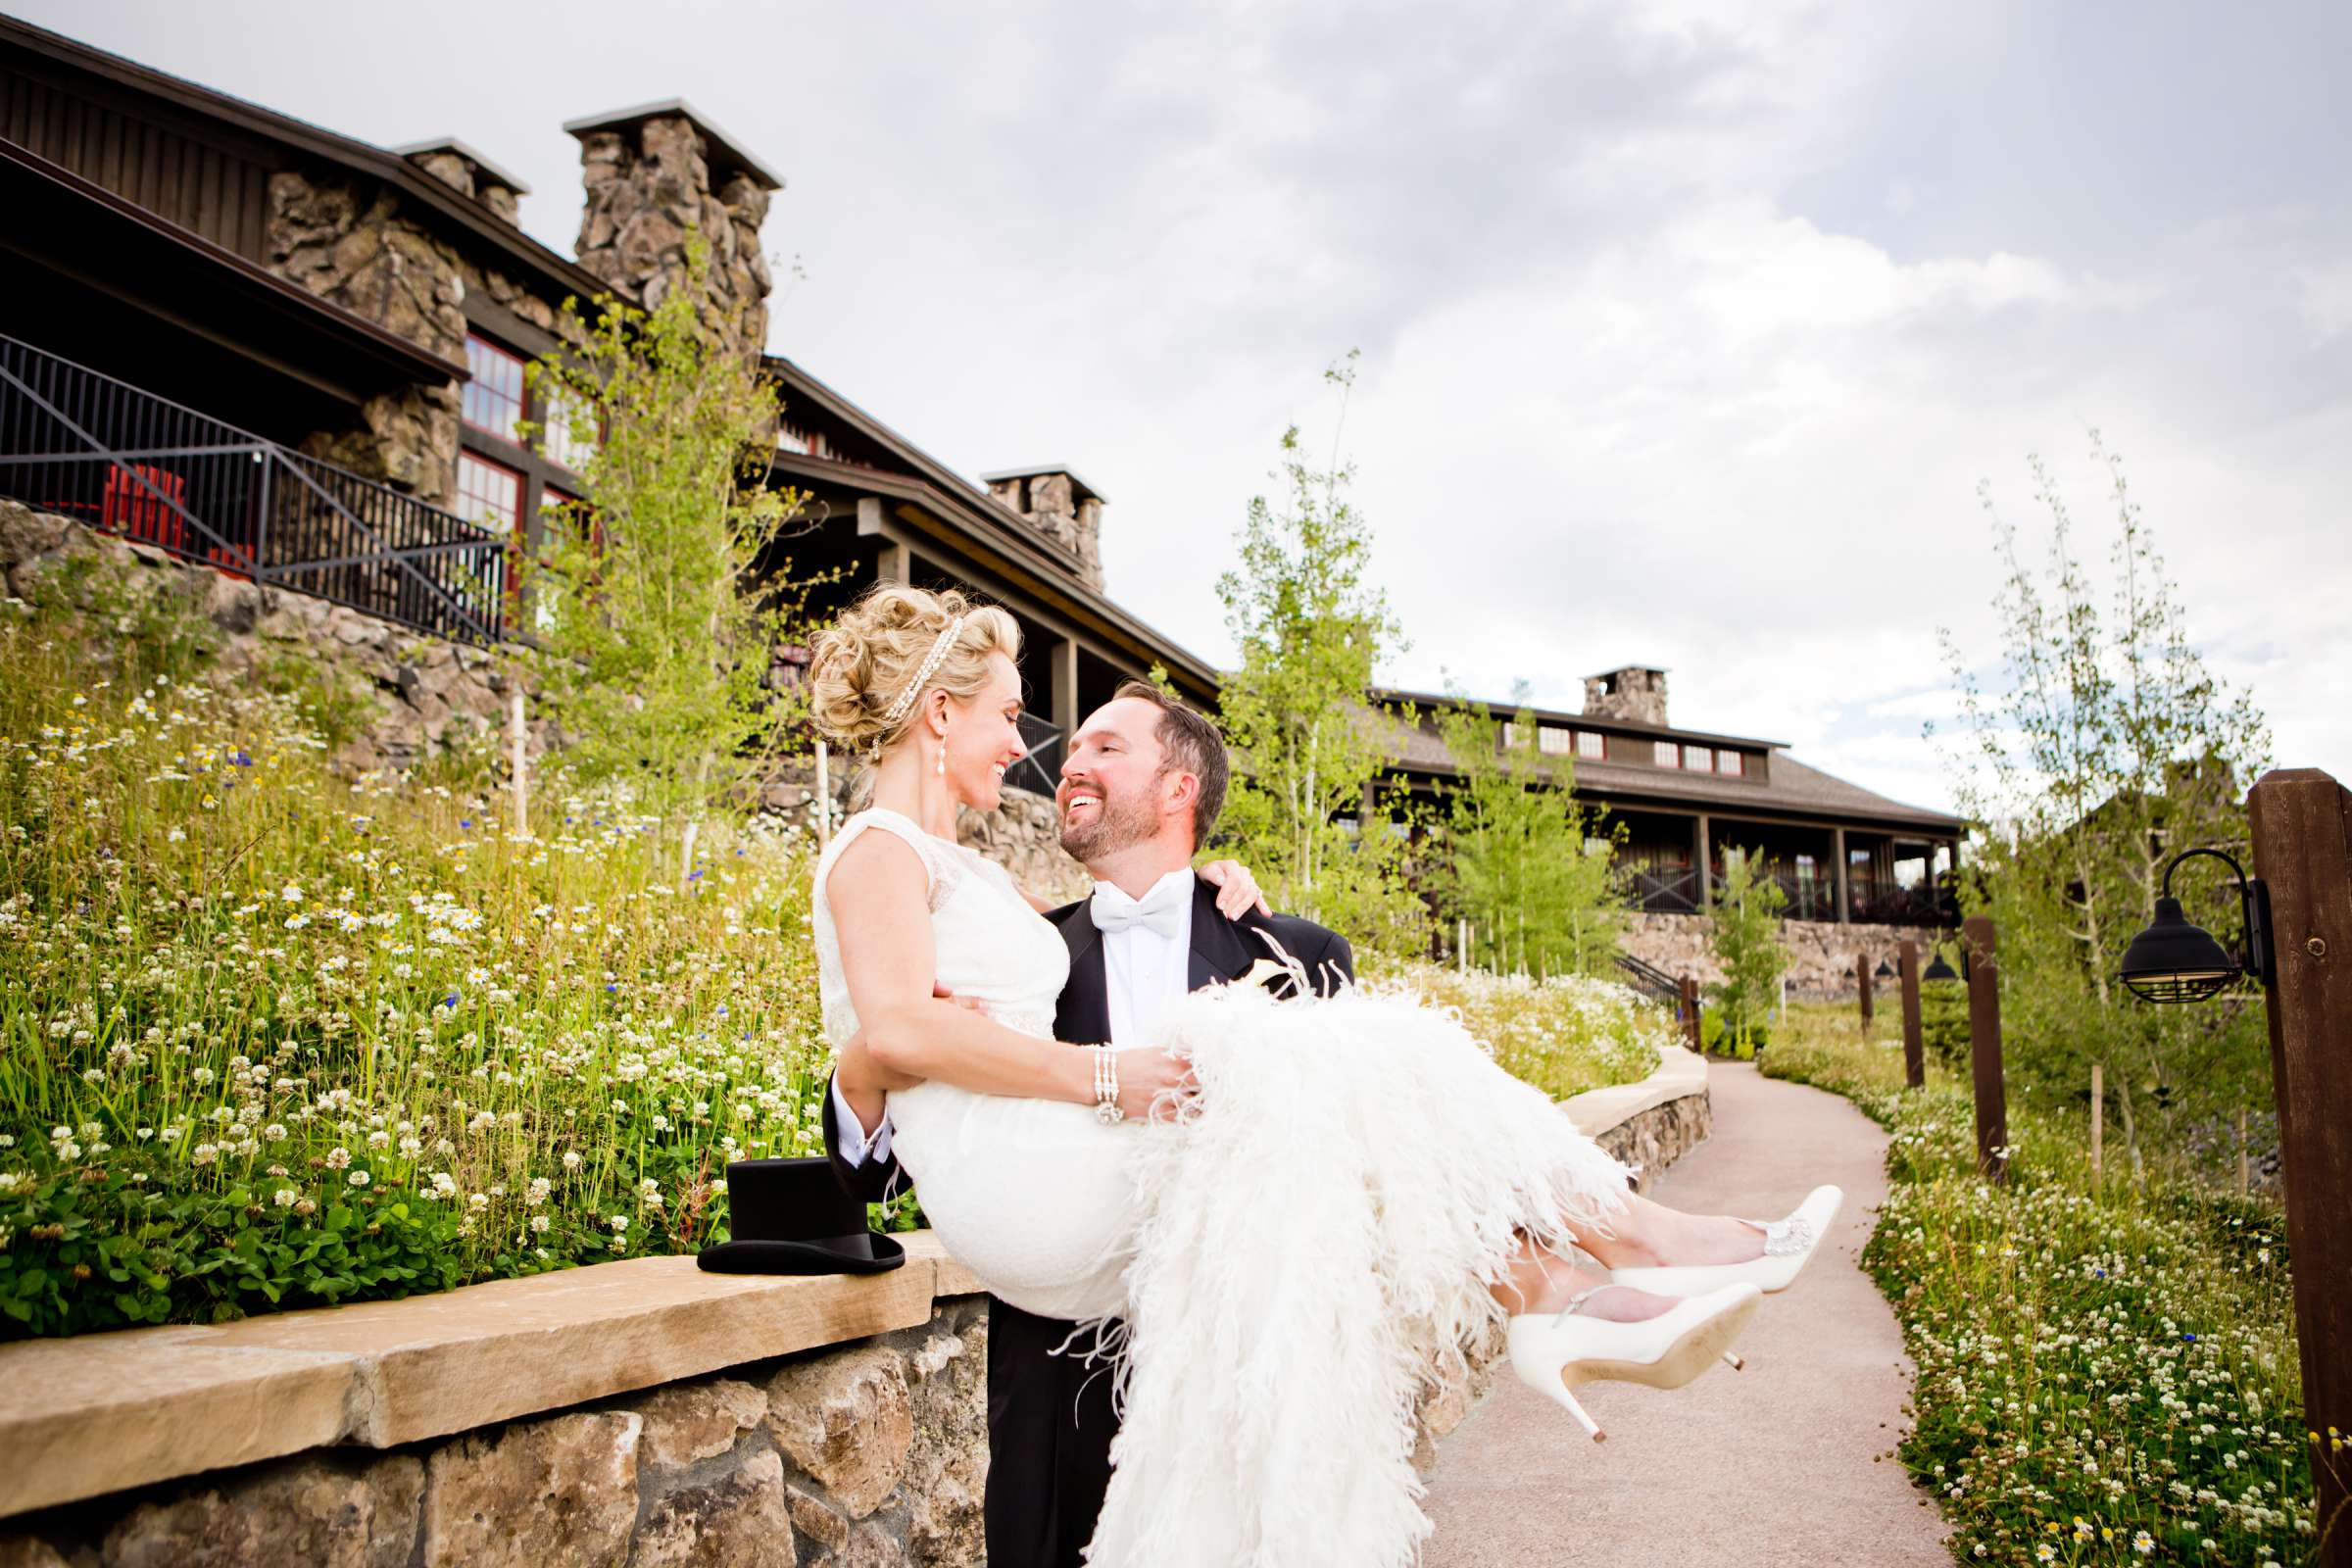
(359, 249)
(1821, 953)
(1636, 694)
(871, 1454)
(1059, 505)
(646, 186)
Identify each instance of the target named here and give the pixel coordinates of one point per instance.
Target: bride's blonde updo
(864, 661)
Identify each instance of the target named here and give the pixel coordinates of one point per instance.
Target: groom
(1140, 789)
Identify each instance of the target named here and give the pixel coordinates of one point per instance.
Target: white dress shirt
(1146, 965)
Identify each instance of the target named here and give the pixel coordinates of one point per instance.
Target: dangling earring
(941, 767)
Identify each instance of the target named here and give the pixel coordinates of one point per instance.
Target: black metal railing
(106, 453)
(1650, 980)
(1041, 768)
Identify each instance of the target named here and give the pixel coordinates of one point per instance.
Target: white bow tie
(1160, 911)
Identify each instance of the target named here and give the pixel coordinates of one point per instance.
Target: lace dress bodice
(987, 944)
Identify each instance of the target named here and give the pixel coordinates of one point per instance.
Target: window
(557, 440)
(1510, 734)
(1553, 742)
(1669, 755)
(1806, 869)
(488, 496)
(494, 397)
(1591, 743)
(1731, 764)
(791, 438)
(1699, 758)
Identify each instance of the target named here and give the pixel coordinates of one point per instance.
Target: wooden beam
(1703, 850)
(2302, 830)
(1061, 682)
(1845, 906)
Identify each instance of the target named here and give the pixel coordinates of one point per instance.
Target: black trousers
(1050, 1426)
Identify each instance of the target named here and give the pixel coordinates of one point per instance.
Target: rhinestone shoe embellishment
(1784, 1238)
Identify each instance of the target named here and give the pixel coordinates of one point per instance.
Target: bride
(1045, 1166)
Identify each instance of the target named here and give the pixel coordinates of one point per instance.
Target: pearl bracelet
(1107, 1086)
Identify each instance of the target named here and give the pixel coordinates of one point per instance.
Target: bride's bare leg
(1543, 1281)
(1650, 1235)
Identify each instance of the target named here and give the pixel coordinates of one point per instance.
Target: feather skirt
(1315, 1243)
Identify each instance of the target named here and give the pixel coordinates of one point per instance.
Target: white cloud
(1690, 329)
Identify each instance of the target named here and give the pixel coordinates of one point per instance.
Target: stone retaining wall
(1821, 953)
(872, 1453)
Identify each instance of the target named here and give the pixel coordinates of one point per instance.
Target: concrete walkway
(1762, 1467)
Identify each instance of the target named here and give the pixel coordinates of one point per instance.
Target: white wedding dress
(1295, 1261)
(1034, 1195)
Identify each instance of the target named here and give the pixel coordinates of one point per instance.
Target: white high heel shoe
(1556, 1352)
(1789, 1244)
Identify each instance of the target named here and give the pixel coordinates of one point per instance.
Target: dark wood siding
(192, 181)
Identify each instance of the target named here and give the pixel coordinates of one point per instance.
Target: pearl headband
(922, 676)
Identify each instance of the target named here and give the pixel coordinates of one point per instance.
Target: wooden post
(1862, 989)
(2098, 1118)
(2245, 1163)
(1690, 1015)
(1984, 1049)
(1915, 1054)
(520, 759)
(2302, 828)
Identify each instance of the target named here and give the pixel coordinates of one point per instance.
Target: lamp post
(2298, 920)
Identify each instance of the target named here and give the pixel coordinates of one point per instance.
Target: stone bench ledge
(1680, 1072)
(97, 1413)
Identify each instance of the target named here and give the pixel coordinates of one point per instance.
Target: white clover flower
(620, 1224)
(573, 1160)
(284, 1197)
(338, 1157)
(205, 1154)
(539, 1225)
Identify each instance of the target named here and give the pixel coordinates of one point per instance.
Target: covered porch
(1827, 871)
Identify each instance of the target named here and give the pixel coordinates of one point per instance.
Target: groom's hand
(1147, 1073)
(942, 994)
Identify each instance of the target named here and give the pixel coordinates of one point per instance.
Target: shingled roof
(1788, 787)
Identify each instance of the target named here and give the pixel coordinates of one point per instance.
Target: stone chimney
(1636, 694)
(657, 171)
(469, 173)
(1060, 505)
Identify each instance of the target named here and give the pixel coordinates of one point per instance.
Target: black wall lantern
(1940, 971)
(1882, 972)
(2176, 960)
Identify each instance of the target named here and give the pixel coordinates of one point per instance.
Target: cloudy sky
(1688, 330)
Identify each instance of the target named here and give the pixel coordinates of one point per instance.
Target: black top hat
(792, 1217)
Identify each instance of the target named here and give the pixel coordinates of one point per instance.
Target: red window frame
(472, 497)
(497, 389)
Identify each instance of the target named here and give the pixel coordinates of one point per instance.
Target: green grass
(2107, 1367)
(1565, 1035)
(268, 1037)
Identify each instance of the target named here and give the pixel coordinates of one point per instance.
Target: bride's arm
(876, 893)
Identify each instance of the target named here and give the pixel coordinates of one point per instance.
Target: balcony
(123, 461)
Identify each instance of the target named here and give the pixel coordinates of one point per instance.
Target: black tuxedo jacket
(1222, 951)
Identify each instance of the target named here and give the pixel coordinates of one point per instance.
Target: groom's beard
(1116, 823)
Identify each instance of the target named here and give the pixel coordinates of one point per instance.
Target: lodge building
(298, 358)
